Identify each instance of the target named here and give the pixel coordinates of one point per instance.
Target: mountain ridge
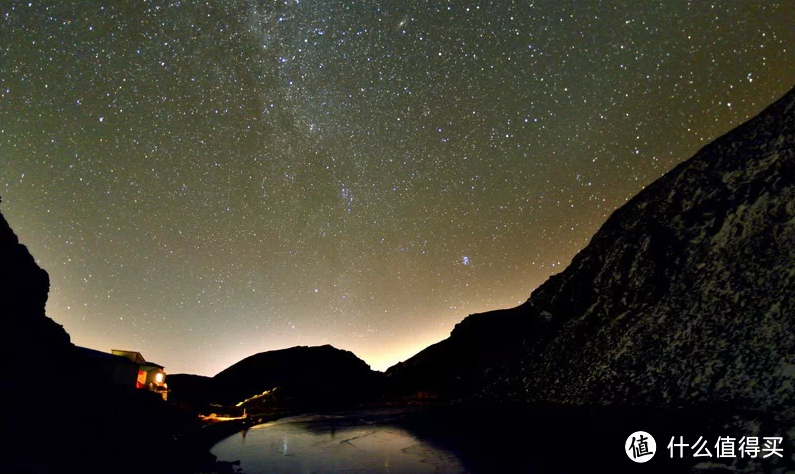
(305, 374)
(661, 249)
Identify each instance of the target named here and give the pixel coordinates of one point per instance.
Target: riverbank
(212, 432)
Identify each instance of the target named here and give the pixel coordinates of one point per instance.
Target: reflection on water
(362, 442)
(485, 439)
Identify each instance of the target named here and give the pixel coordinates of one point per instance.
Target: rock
(683, 296)
(32, 345)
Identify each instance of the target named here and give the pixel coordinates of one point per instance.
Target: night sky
(208, 180)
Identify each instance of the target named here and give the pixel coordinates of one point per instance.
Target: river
(359, 442)
(538, 439)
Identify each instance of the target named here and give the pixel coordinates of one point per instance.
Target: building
(150, 376)
(121, 369)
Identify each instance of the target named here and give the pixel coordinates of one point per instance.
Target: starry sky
(208, 180)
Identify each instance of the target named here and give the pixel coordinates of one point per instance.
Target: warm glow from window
(159, 377)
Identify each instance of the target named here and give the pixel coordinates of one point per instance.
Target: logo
(640, 446)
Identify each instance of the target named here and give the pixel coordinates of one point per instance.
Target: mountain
(462, 363)
(59, 413)
(683, 296)
(320, 375)
(28, 338)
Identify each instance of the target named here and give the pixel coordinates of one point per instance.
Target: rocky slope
(28, 338)
(463, 363)
(684, 295)
(303, 375)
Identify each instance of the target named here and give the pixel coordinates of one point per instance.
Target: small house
(150, 376)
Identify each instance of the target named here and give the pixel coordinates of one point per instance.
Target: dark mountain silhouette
(321, 375)
(57, 411)
(684, 295)
(190, 389)
(461, 364)
(26, 333)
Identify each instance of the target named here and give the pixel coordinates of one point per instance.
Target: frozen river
(478, 440)
(362, 442)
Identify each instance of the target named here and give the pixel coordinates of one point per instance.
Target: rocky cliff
(684, 295)
(31, 344)
(56, 414)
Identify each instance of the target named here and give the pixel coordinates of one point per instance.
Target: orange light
(214, 417)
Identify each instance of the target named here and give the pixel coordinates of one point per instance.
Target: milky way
(207, 181)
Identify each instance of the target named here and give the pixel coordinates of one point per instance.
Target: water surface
(360, 442)
(539, 439)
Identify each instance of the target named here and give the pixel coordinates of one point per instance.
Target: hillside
(683, 296)
(320, 375)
